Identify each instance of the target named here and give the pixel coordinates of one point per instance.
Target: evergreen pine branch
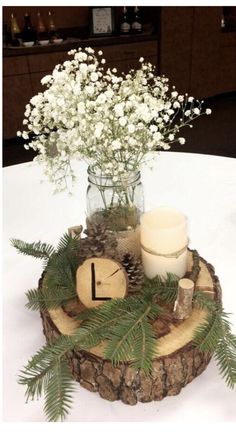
(144, 347)
(68, 242)
(36, 299)
(119, 321)
(37, 249)
(202, 300)
(164, 290)
(225, 353)
(39, 300)
(214, 336)
(122, 336)
(119, 347)
(50, 352)
(102, 319)
(48, 372)
(35, 378)
(208, 334)
(59, 391)
(61, 270)
(110, 309)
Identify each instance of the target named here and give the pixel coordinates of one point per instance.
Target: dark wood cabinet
(176, 46)
(197, 56)
(213, 68)
(17, 91)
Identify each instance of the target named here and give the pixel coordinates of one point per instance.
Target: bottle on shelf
(136, 25)
(42, 34)
(28, 34)
(125, 22)
(52, 31)
(222, 24)
(6, 36)
(16, 37)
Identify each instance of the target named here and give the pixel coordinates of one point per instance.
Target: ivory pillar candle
(164, 242)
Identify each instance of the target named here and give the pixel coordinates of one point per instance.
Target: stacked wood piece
(179, 361)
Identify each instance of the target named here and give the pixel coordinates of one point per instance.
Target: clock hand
(93, 278)
(93, 282)
(111, 275)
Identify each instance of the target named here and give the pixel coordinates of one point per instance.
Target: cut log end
(183, 304)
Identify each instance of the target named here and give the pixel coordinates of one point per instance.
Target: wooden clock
(99, 280)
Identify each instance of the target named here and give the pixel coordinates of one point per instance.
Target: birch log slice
(177, 364)
(110, 281)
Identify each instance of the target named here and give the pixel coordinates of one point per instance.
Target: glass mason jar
(116, 204)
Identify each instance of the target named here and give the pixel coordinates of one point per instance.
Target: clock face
(99, 280)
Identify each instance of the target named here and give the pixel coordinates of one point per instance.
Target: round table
(201, 186)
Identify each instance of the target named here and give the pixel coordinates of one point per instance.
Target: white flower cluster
(112, 121)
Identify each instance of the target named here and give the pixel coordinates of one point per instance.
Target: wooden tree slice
(177, 362)
(100, 279)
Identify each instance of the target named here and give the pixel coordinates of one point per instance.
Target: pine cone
(99, 242)
(134, 270)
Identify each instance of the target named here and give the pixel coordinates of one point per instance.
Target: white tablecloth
(201, 186)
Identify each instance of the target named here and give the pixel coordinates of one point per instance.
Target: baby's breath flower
(89, 90)
(71, 52)
(176, 104)
(196, 111)
(153, 128)
(122, 121)
(46, 79)
(107, 119)
(131, 128)
(89, 50)
(116, 144)
(208, 111)
(25, 135)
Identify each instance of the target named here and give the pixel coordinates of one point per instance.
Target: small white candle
(164, 242)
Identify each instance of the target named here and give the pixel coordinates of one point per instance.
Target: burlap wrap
(129, 241)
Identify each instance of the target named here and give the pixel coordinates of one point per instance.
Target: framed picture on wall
(102, 21)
